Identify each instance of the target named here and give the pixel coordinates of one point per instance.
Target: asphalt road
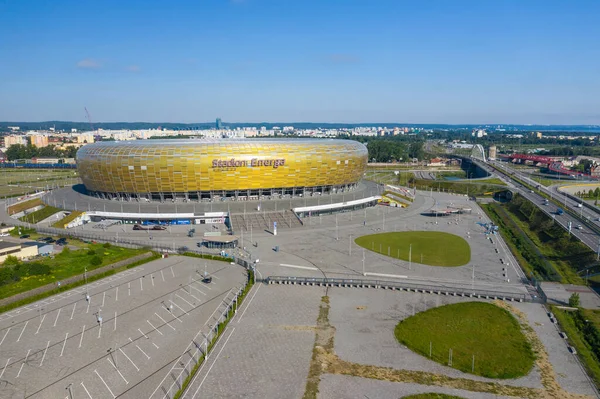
(586, 236)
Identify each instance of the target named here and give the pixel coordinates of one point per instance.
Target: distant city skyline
(250, 61)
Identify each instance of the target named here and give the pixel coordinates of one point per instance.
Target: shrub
(91, 252)
(574, 300)
(106, 245)
(66, 251)
(11, 261)
(96, 261)
(38, 269)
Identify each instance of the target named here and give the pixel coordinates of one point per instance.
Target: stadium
(160, 170)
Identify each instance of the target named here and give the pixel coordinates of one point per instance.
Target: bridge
(478, 152)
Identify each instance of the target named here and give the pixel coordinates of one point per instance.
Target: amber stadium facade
(255, 169)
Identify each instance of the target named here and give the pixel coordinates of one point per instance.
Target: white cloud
(88, 63)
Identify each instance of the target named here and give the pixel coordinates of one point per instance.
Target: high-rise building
(38, 140)
(12, 140)
(219, 124)
(492, 152)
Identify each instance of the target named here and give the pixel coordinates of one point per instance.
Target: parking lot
(120, 342)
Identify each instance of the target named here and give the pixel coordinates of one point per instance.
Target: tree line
(19, 151)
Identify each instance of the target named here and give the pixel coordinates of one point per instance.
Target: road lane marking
(103, 298)
(298, 267)
(172, 272)
(44, 356)
(126, 382)
(154, 327)
(214, 361)
(4, 369)
(141, 284)
(131, 361)
(249, 302)
(22, 331)
(156, 346)
(129, 288)
(23, 364)
(117, 294)
(105, 384)
(115, 329)
(162, 275)
(58, 314)
(177, 295)
(73, 311)
(3, 338)
(163, 320)
(145, 336)
(82, 332)
(63, 348)
(86, 391)
(38, 330)
(137, 346)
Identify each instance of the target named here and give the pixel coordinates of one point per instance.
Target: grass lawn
(39, 215)
(67, 219)
(20, 207)
(479, 329)
(69, 263)
(432, 395)
(428, 247)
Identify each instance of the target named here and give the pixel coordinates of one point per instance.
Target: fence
(199, 349)
(429, 288)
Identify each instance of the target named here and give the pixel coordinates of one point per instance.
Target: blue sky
(311, 60)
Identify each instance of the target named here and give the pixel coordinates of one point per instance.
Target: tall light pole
(364, 274)
(350, 245)
(410, 257)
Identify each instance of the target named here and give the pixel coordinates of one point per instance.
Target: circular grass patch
(432, 395)
(472, 330)
(431, 248)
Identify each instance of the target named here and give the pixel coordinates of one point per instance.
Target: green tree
(11, 261)
(574, 300)
(96, 261)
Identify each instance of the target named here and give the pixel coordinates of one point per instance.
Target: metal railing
(431, 288)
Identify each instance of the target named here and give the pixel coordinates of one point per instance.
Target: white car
(4, 234)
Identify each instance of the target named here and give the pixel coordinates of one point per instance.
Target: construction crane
(89, 118)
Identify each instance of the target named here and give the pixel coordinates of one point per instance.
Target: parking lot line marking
(117, 294)
(129, 288)
(152, 279)
(115, 329)
(386, 275)
(177, 295)
(174, 315)
(82, 332)
(25, 326)
(145, 336)
(103, 298)
(86, 391)
(163, 320)
(3, 338)
(214, 361)
(23, 364)
(249, 302)
(154, 327)
(205, 285)
(172, 272)
(216, 277)
(73, 311)
(99, 330)
(44, 356)
(118, 371)
(141, 284)
(88, 306)
(131, 361)
(4, 369)
(192, 295)
(156, 346)
(41, 321)
(162, 275)
(197, 289)
(58, 314)
(105, 384)
(178, 307)
(137, 346)
(64, 342)
(298, 267)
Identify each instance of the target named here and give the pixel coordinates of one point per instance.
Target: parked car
(61, 241)
(4, 234)
(25, 236)
(207, 279)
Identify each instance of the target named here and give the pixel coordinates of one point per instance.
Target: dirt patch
(361, 307)
(297, 328)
